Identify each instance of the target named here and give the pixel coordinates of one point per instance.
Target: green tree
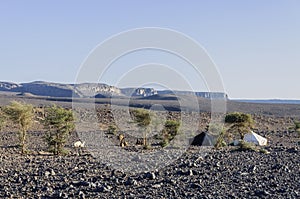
(59, 123)
(22, 115)
(241, 123)
(143, 119)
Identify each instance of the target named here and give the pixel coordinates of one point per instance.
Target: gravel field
(200, 172)
(219, 174)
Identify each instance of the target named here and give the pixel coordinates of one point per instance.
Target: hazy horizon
(254, 44)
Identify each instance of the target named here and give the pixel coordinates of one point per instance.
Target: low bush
(247, 146)
(2, 120)
(264, 151)
(112, 129)
(241, 123)
(220, 142)
(169, 132)
(296, 127)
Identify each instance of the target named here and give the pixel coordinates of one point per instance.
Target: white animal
(79, 144)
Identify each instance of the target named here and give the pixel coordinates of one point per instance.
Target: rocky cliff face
(136, 92)
(93, 89)
(6, 86)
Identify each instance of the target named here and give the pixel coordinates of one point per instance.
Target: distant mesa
(97, 90)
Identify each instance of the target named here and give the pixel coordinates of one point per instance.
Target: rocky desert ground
(200, 172)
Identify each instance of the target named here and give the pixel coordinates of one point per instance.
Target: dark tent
(203, 139)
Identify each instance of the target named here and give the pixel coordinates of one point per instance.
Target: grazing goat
(123, 143)
(78, 146)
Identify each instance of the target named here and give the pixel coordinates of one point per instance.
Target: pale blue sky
(255, 44)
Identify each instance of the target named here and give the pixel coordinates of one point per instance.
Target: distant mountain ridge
(269, 101)
(88, 90)
(51, 89)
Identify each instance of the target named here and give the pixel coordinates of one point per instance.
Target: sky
(254, 44)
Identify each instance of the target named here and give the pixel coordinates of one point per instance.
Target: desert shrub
(169, 132)
(143, 119)
(247, 146)
(171, 128)
(216, 130)
(295, 127)
(59, 122)
(2, 120)
(164, 143)
(112, 129)
(264, 151)
(220, 142)
(22, 115)
(147, 147)
(241, 123)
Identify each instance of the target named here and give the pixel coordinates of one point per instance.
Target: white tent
(255, 138)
